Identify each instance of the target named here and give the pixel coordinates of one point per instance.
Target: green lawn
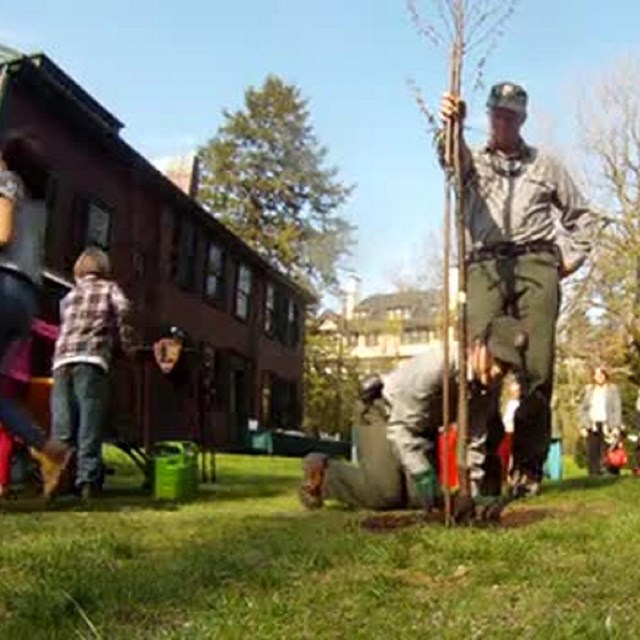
(245, 561)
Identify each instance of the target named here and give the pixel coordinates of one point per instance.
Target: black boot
(525, 483)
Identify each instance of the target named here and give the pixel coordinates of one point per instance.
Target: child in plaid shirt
(93, 324)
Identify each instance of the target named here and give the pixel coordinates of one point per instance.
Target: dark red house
(177, 263)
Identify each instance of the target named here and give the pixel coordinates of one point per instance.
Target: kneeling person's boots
(314, 467)
(427, 489)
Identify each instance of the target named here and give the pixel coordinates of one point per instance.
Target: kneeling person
(397, 435)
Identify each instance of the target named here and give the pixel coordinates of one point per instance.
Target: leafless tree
(425, 271)
(609, 123)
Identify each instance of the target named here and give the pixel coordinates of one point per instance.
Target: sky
(168, 69)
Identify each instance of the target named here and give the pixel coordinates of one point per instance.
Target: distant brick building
(177, 263)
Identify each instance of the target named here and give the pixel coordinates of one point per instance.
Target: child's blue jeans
(78, 408)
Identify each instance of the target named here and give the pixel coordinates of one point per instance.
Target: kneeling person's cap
(506, 340)
(507, 95)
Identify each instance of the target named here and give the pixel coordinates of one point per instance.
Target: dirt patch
(524, 517)
(511, 519)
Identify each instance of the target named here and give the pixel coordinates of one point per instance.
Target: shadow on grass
(129, 497)
(258, 554)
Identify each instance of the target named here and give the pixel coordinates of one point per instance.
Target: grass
(245, 561)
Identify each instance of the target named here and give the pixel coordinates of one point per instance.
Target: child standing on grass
(505, 449)
(94, 323)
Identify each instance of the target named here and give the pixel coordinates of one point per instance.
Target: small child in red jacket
(6, 453)
(12, 385)
(505, 450)
(15, 376)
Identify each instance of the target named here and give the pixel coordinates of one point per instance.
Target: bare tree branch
(425, 29)
(432, 121)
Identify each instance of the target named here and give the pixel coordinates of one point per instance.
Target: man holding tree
(528, 226)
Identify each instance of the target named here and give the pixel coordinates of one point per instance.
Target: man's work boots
(524, 484)
(463, 509)
(54, 459)
(314, 467)
(489, 509)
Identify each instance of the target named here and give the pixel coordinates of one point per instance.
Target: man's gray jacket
(414, 394)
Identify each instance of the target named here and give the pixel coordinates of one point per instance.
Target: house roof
(10, 58)
(41, 74)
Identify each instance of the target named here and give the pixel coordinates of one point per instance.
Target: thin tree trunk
(454, 183)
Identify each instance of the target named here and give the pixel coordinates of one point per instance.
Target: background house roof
(413, 307)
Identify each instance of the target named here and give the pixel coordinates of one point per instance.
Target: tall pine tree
(264, 175)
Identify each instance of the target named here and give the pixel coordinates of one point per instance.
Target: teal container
(553, 466)
(175, 470)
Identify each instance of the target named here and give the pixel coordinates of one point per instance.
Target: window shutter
(51, 235)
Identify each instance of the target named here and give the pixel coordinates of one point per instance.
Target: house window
(287, 320)
(214, 275)
(399, 313)
(188, 255)
(243, 291)
(372, 339)
(270, 310)
(285, 406)
(415, 336)
(98, 226)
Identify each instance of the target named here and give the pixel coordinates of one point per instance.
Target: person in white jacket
(600, 416)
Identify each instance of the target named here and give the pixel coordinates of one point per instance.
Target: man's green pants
(378, 481)
(528, 288)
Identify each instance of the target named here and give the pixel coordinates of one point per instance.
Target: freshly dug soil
(392, 521)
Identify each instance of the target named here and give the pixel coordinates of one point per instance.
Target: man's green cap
(506, 340)
(507, 95)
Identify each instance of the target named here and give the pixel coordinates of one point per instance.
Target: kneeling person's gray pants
(378, 481)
